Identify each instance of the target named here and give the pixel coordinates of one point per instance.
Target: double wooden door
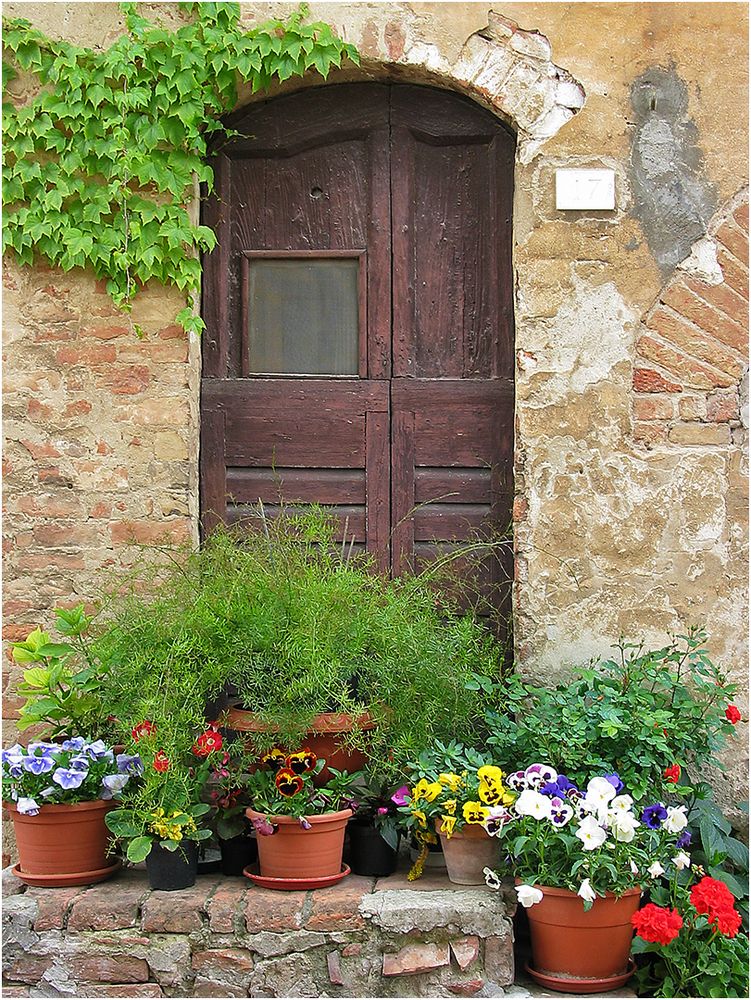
(359, 342)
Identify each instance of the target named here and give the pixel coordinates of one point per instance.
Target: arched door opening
(359, 350)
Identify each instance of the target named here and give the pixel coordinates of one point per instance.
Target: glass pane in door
(303, 316)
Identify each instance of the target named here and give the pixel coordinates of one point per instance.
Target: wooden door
(405, 425)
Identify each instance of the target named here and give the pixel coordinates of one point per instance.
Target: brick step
(224, 937)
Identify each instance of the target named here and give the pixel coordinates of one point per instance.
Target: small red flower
(288, 782)
(657, 924)
(728, 921)
(732, 714)
(161, 761)
(207, 742)
(145, 728)
(711, 896)
(673, 773)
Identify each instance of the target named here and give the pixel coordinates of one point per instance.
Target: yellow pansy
(448, 824)
(427, 790)
(475, 812)
(491, 774)
(420, 817)
(451, 781)
(449, 806)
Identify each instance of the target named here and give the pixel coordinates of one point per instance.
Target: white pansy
(27, 806)
(586, 892)
(491, 879)
(676, 819)
(634, 867)
(623, 826)
(528, 895)
(655, 870)
(600, 794)
(531, 803)
(621, 803)
(591, 834)
(681, 860)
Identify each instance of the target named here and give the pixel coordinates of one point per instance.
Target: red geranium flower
(144, 728)
(711, 896)
(288, 782)
(673, 773)
(161, 761)
(207, 742)
(657, 924)
(732, 714)
(728, 922)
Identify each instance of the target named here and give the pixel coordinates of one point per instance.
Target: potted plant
(228, 799)
(299, 826)
(456, 792)
(59, 795)
(159, 821)
(581, 859)
(374, 828)
(63, 680)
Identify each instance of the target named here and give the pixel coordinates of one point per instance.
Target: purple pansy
(517, 781)
(537, 775)
(263, 827)
(129, 764)
(98, 750)
(561, 786)
(401, 796)
(498, 818)
(48, 791)
(29, 807)
(112, 784)
(615, 781)
(13, 755)
(79, 763)
(75, 744)
(654, 815)
(684, 840)
(304, 823)
(44, 747)
(560, 811)
(38, 765)
(67, 779)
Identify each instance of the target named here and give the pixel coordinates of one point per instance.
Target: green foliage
(99, 165)
(298, 629)
(63, 688)
(700, 962)
(636, 715)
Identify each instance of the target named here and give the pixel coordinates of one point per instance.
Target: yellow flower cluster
(164, 826)
(486, 788)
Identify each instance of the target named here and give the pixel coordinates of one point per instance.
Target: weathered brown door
(359, 343)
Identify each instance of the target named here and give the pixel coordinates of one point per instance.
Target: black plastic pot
(237, 853)
(369, 854)
(170, 870)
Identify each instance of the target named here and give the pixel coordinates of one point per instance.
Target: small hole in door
(316, 193)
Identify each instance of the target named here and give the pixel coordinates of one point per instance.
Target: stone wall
(631, 325)
(227, 938)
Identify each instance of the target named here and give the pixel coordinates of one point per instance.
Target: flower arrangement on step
(581, 855)
(300, 825)
(161, 820)
(691, 935)
(466, 804)
(59, 794)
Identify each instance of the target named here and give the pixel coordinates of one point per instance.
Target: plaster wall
(627, 522)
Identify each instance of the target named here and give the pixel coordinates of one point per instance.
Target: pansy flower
(591, 834)
(560, 812)
(537, 775)
(653, 815)
(13, 755)
(129, 763)
(532, 803)
(449, 806)
(274, 758)
(288, 783)
(79, 763)
(43, 746)
(302, 761)
(74, 744)
(615, 781)
(497, 818)
(421, 818)
(475, 812)
(561, 786)
(450, 780)
(684, 840)
(38, 765)
(98, 750)
(517, 781)
(68, 779)
(112, 784)
(447, 825)
(428, 790)
(28, 807)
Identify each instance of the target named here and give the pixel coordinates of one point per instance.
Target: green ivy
(99, 167)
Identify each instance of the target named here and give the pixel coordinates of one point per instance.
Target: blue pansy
(38, 765)
(653, 815)
(69, 779)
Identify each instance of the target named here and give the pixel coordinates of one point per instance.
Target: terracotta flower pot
(295, 853)
(576, 950)
(325, 738)
(467, 852)
(63, 844)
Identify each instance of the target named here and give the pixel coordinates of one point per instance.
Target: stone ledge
(226, 937)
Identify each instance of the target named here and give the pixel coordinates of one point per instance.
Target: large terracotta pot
(467, 852)
(325, 738)
(63, 844)
(576, 950)
(295, 853)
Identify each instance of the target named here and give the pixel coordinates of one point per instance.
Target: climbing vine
(99, 165)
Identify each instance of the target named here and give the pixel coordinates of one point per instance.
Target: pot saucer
(296, 883)
(570, 984)
(71, 878)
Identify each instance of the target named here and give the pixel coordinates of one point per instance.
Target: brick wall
(693, 351)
